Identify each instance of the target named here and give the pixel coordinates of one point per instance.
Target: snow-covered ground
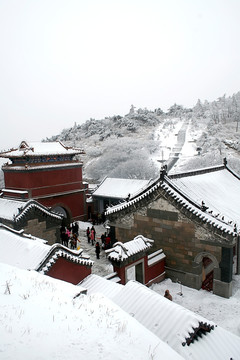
(224, 312)
(167, 137)
(171, 146)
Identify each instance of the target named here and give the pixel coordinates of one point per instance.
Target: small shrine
(131, 261)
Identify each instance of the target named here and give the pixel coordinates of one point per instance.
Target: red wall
(73, 203)
(45, 181)
(68, 271)
(121, 274)
(152, 272)
(42, 183)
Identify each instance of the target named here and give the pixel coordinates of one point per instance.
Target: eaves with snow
(120, 251)
(211, 196)
(15, 210)
(27, 149)
(189, 334)
(31, 253)
(117, 188)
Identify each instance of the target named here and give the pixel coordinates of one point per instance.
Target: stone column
(226, 265)
(223, 287)
(238, 254)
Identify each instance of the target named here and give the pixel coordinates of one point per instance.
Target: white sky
(65, 61)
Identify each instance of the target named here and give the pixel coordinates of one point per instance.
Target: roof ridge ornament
(163, 172)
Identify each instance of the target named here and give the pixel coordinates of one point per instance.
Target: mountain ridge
(136, 144)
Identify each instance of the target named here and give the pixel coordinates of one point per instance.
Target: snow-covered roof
(220, 191)
(156, 257)
(9, 209)
(218, 188)
(45, 318)
(120, 251)
(14, 210)
(20, 251)
(28, 252)
(40, 148)
(172, 323)
(95, 284)
(120, 188)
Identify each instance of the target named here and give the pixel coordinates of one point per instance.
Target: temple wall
(180, 238)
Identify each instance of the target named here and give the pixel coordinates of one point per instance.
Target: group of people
(91, 238)
(69, 235)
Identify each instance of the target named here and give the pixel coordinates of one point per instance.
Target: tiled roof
(94, 284)
(120, 188)
(171, 322)
(121, 252)
(218, 188)
(15, 210)
(28, 252)
(40, 148)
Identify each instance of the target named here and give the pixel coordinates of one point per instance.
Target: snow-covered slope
(135, 145)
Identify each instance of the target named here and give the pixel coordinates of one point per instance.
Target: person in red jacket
(107, 242)
(92, 236)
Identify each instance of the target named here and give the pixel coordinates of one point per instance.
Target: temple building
(194, 218)
(49, 173)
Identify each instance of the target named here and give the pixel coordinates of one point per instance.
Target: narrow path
(181, 138)
(102, 266)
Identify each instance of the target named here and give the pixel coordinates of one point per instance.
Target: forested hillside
(134, 145)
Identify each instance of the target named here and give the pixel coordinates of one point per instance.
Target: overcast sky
(66, 61)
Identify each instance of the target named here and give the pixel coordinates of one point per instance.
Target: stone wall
(39, 229)
(180, 238)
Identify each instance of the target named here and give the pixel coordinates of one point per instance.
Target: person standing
(68, 235)
(103, 238)
(62, 234)
(93, 229)
(88, 234)
(75, 228)
(107, 242)
(92, 236)
(97, 250)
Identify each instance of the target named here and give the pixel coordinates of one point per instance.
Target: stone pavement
(102, 266)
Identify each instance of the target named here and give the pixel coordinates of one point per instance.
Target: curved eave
(59, 251)
(32, 205)
(189, 208)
